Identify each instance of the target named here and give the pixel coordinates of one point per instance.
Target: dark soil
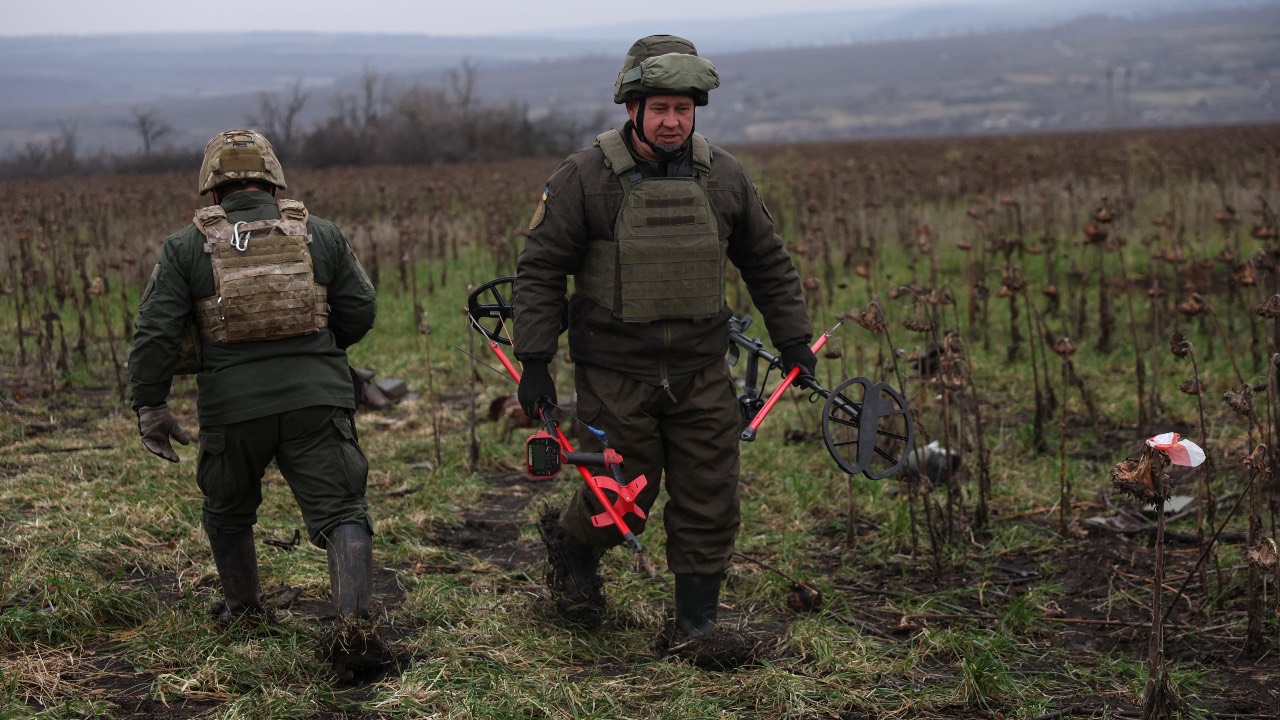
(1102, 610)
(491, 529)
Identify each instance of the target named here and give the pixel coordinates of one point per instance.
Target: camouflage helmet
(664, 65)
(237, 155)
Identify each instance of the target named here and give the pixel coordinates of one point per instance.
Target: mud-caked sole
(720, 649)
(578, 599)
(356, 651)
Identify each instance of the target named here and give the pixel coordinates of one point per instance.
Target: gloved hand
(156, 426)
(535, 384)
(798, 354)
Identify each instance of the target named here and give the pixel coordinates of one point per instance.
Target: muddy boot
(694, 635)
(238, 571)
(354, 647)
(350, 549)
(573, 573)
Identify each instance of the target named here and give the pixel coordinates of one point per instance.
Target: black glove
(156, 426)
(535, 384)
(798, 354)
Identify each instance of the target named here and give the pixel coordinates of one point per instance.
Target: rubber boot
(354, 646)
(573, 572)
(695, 636)
(697, 600)
(350, 549)
(238, 571)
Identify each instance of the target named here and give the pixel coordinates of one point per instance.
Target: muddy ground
(1087, 621)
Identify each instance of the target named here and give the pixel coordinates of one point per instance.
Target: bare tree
(462, 81)
(63, 149)
(279, 121)
(373, 101)
(147, 123)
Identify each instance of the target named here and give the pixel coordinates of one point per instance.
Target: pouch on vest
(665, 260)
(263, 278)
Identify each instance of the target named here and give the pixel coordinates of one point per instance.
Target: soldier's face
(668, 119)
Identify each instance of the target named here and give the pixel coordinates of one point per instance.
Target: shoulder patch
(541, 211)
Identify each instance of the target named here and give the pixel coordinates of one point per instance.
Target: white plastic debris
(1180, 450)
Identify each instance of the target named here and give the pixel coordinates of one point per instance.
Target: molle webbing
(665, 260)
(267, 290)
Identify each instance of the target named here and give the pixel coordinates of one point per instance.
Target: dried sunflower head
(917, 325)
(1143, 478)
(1192, 386)
(871, 318)
(939, 297)
(1245, 277)
(1263, 555)
(1263, 231)
(1195, 305)
(1011, 286)
(1065, 347)
(1257, 461)
(1179, 345)
(1269, 309)
(1240, 400)
(954, 375)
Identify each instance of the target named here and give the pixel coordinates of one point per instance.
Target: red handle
(749, 433)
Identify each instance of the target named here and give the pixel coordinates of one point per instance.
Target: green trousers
(686, 440)
(316, 451)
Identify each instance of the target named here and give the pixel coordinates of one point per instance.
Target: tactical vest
(263, 281)
(665, 260)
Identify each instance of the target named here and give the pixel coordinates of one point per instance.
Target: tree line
(378, 123)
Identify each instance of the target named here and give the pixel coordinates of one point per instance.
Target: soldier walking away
(261, 300)
(645, 220)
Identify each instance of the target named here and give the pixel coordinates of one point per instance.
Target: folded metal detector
(489, 319)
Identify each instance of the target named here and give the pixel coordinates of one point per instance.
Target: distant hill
(989, 67)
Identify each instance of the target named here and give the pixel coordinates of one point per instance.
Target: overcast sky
(433, 17)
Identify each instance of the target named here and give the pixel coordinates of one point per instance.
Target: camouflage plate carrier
(263, 280)
(666, 260)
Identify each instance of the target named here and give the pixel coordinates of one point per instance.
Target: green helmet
(237, 155)
(664, 65)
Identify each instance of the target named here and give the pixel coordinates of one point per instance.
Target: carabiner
(238, 242)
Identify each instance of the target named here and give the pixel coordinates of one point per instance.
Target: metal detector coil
(489, 308)
(867, 428)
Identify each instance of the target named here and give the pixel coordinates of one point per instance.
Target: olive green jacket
(243, 381)
(581, 202)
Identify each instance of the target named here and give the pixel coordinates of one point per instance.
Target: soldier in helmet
(645, 220)
(277, 296)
